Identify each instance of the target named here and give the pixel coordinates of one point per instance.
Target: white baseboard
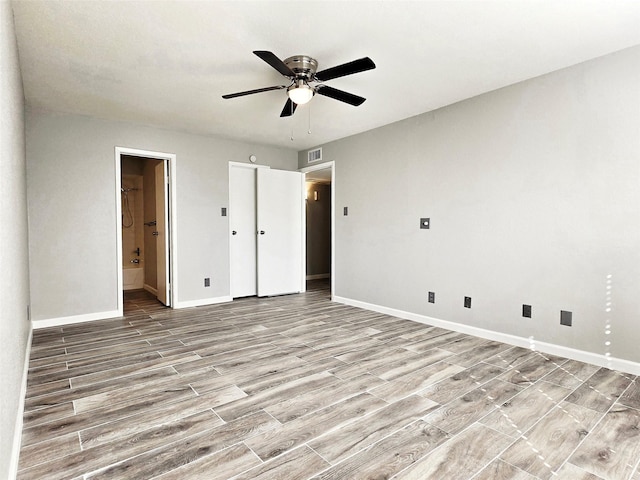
(88, 317)
(17, 432)
(203, 301)
(549, 348)
(57, 322)
(319, 276)
(150, 289)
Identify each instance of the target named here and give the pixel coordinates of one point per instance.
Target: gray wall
(72, 209)
(14, 260)
(534, 197)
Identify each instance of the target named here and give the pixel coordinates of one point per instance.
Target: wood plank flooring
(298, 387)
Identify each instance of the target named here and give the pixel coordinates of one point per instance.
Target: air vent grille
(314, 155)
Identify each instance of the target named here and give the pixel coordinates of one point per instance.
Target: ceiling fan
(301, 71)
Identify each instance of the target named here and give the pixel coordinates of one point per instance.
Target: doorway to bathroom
(144, 273)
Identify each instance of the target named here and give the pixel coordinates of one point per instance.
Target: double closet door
(266, 223)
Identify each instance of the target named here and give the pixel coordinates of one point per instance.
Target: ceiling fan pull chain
(309, 131)
(292, 134)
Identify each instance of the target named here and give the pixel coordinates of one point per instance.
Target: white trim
(318, 276)
(17, 432)
(173, 221)
(322, 166)
(203, 302)
(120, 282)
(170, 158)
(303, 233)
(150, 289)
(246, 165)
(550, 348)
(87, 317)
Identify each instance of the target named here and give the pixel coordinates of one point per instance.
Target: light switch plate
(467, 302)
(526, 311)
(425, 223)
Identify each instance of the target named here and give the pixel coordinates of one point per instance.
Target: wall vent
(314, 155)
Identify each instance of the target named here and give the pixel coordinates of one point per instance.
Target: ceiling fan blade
(360, 65)
(275, 62)
(289, 108)
(251, 92)
(341, 95)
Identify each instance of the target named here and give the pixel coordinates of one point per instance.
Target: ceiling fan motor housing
(302, 65)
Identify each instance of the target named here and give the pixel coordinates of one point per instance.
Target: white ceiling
(168, 63)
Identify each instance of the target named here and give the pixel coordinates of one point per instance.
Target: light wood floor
(298, 387)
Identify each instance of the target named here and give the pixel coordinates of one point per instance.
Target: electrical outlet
(432, 297)
(345, 211)
(467, 302)
(526, 311)
(207, 282)
(425, 223)
(565, 318)
(224, 211)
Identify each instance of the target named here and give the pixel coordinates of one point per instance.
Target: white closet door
(279, 220)
(242, 223)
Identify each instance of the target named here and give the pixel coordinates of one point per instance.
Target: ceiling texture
(167, 63)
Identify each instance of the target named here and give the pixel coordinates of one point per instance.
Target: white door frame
(305, 170)
(170, 158)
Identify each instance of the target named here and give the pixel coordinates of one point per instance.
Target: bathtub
(132, 278)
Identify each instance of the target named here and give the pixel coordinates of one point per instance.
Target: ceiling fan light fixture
(300, 92)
